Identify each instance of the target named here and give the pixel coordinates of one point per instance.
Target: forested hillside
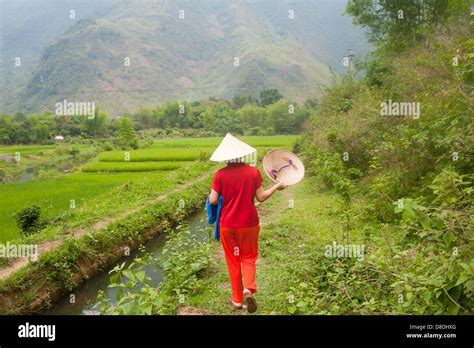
(144, 53)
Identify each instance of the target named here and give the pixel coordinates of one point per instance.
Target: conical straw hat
(284, 166)
(231, 148)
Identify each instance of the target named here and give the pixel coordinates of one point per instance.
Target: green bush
(28, 219)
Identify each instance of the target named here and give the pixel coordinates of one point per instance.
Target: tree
(126, 137)
(145, 119)
(94, 126)
(7, 126)
(253, 116)
(401, 22)
(269, 96)
(286, 118)
(169, 115)
(222, 119)
(240, 100)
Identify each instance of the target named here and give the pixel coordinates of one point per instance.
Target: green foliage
(73, 152)
(221, 118)
(28, 219)
(126, 136)
(286, 118)
(403, 22)
(172, 119)
(269, 96)
(411, 177)
(240, 100)
(330, 169)
(60, 266)
(184, 256)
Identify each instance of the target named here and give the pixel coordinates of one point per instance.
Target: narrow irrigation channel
(85, 296)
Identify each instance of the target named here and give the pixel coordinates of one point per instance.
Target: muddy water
(85, 295)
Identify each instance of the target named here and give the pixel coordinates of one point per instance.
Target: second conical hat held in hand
(284, 166)
(231, 148)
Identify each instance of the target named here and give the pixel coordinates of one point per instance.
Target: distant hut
(58, 138)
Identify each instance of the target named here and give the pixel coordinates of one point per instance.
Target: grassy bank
(37, 285)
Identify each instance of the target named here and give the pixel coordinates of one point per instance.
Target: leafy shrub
(107, 146)
(47, 174)
(28, 219)
(73, 151)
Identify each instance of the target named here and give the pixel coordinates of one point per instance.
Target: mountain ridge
(171, 58)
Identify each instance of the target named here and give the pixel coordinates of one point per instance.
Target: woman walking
(239, 184)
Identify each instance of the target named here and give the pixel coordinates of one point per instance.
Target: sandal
(237, 306)
(250, 302)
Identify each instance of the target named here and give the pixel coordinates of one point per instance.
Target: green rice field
(160, 155)
(53, 196)
(95, 189)
(142, 166)
(157, 154)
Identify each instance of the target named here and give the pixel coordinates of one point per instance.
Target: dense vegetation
(266, 115)
(411, 174)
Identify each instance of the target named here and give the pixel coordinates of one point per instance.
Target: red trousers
(241, 251)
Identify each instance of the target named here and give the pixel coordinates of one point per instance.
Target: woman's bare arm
(214, 197)
(262, 195)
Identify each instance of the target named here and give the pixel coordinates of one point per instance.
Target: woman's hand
(262, 196)
(281, 185)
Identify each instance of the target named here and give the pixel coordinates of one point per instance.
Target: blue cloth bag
(213, 214)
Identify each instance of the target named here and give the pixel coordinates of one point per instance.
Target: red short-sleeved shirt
(237, 183)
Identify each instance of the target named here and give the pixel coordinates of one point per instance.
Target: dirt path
(268, 213)
(51, 245)
(295, 225)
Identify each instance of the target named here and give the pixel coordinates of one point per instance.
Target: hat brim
(283, 165)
